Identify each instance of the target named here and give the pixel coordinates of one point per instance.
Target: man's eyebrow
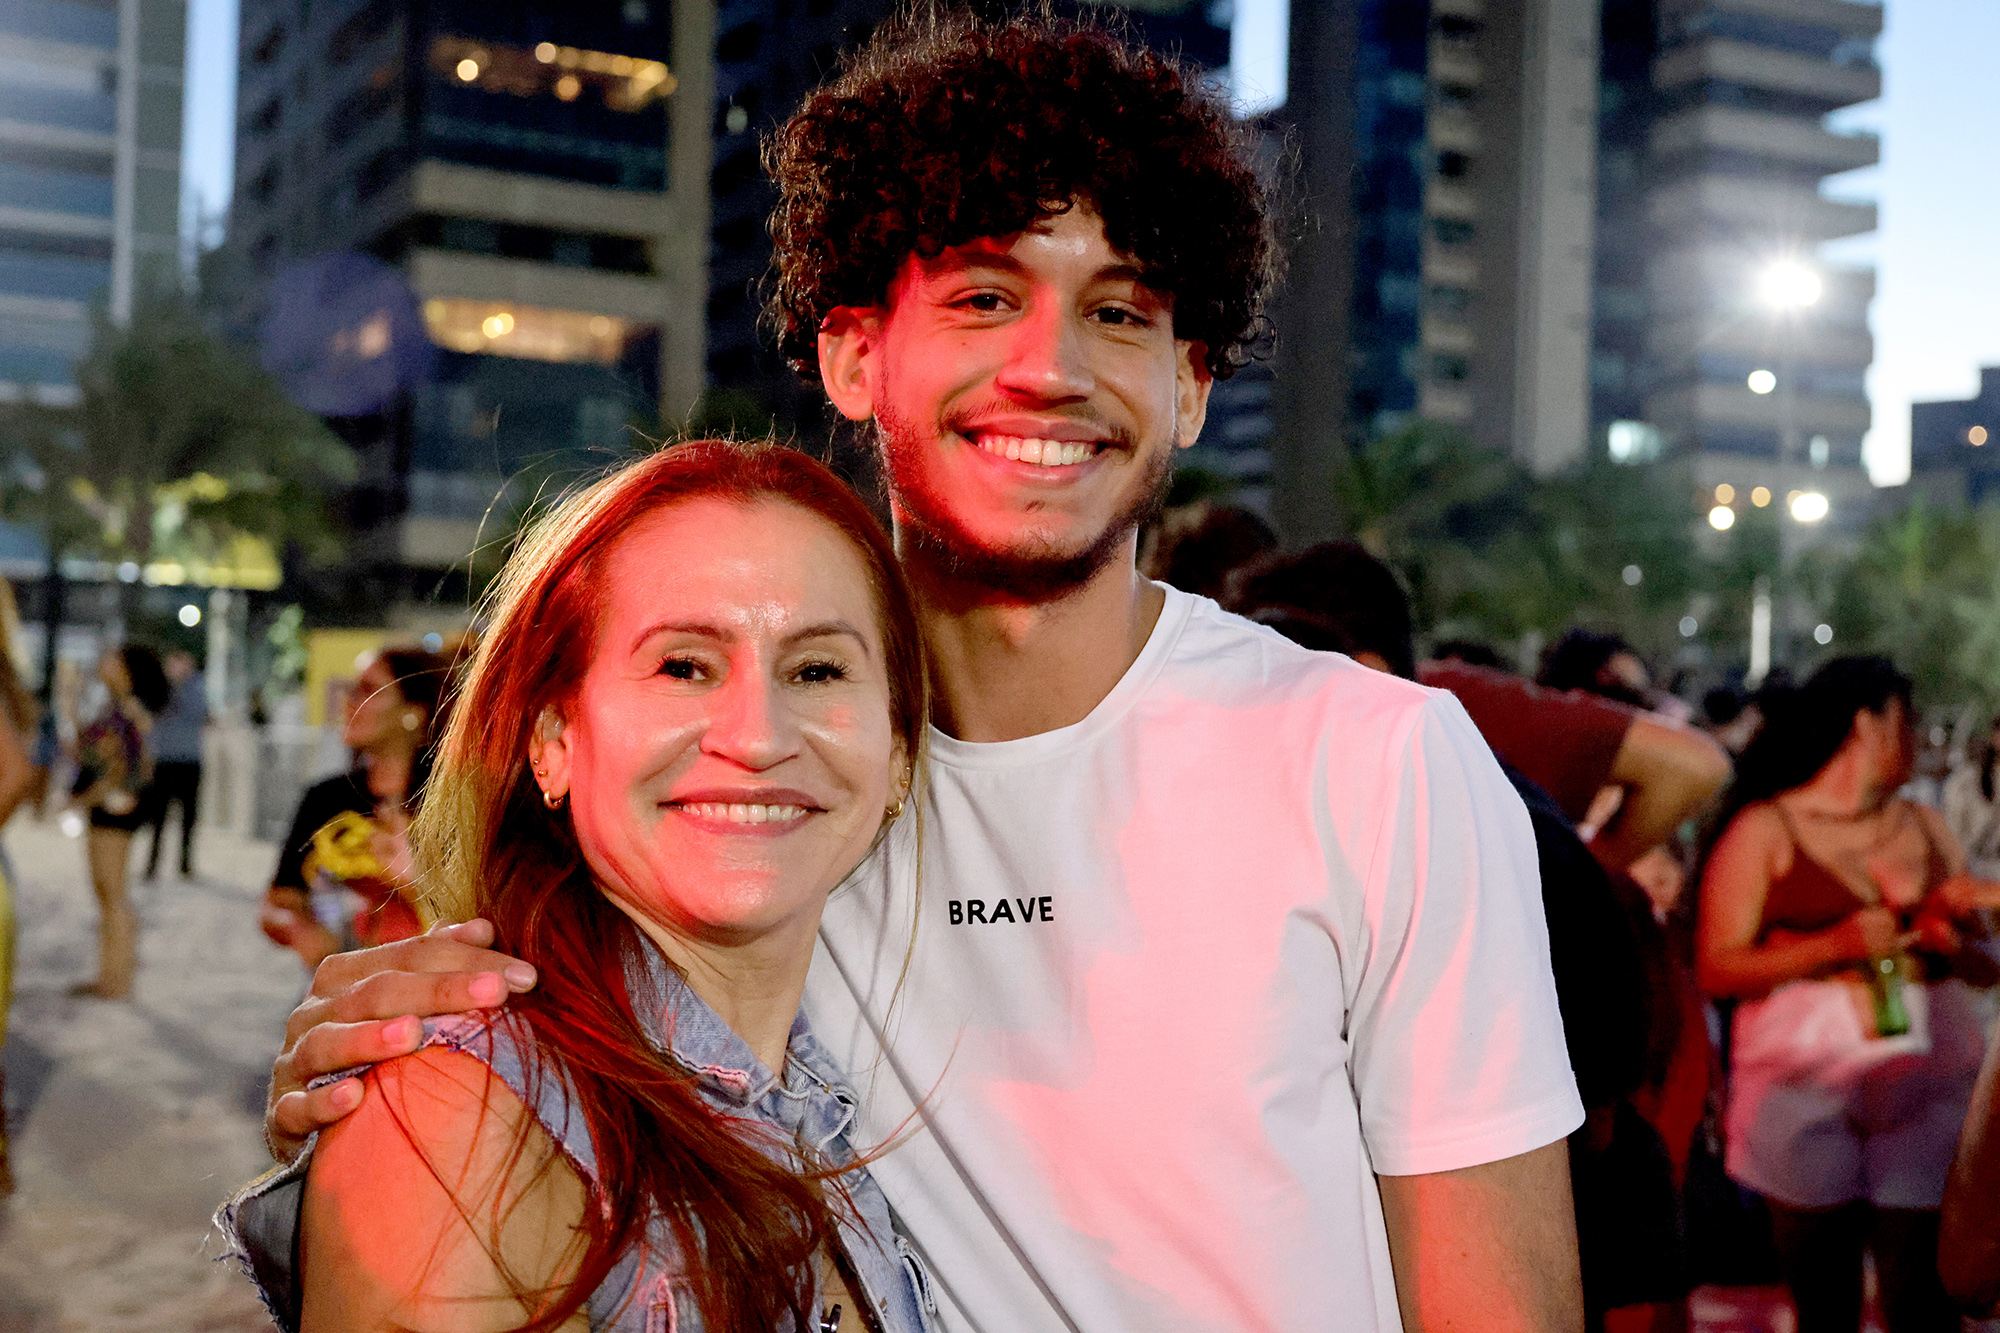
(953, 264)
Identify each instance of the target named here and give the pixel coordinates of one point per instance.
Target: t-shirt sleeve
(1563, 741)
(1455, 1037)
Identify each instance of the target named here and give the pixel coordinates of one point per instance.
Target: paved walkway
(132, 1120)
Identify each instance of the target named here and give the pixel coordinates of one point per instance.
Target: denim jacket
(646, 1292)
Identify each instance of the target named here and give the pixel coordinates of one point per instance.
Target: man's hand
(1491, 1248)
(342, 1024)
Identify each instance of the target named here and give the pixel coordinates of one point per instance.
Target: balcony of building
(1740, 205)
(1764, 134)
(453, 190)
(1694, 406)
(1745, 64)
(1847, 17)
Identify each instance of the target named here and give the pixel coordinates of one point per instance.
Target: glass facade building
(90, 129)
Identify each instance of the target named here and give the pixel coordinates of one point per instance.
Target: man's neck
(1004, 669)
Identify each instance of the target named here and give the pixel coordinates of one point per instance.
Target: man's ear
(549, 754)
(1192, 382)
(848, 341)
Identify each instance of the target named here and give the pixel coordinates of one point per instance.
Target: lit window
(1809, 507)
(627, 83)
(1977, 435)
(530, 332)
(1722, 518)
(1760, 496)
(1724, 493)
(1762, 381)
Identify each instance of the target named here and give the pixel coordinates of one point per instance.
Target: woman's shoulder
(403, 1194)
(1758, 833)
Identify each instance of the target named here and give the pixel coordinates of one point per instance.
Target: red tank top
(1810, 897)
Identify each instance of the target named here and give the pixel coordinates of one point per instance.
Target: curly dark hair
(946, 128)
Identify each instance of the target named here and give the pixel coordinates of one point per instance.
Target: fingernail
(487, 988)
(402, 1032)
(346, 1094)
(519, 975)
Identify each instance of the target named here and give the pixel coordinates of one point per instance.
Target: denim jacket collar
(811, 1101)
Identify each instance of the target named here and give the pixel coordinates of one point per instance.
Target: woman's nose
(751, 725)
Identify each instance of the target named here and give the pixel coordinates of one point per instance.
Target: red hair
(747, 1225)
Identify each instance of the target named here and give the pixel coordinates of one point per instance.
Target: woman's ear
(549, 755)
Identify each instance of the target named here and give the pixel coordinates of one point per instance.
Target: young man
(1228, 1002)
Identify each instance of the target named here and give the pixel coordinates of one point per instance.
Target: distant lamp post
(1787, 288)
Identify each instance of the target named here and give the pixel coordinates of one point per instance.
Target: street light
(1789, 285)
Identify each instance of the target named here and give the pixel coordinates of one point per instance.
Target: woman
(1834, 913)
(343, 877)
(110, 778)
(17, 783)
(1972, 807)
(698, 705)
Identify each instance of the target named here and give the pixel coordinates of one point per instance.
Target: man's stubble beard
(930, 532)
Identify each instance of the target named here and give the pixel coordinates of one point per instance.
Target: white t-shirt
(1186, 976)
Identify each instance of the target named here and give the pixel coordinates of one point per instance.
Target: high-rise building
(1754, 351)
(1442, 269)
(540, 175)
(1955, 446)
(90, 161)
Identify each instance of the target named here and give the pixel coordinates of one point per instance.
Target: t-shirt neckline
(1110, 710)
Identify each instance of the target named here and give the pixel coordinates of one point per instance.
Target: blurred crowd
(1772, 922)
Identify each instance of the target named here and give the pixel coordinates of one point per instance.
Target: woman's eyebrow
(695, 628)
(828, 629)
(825, 629)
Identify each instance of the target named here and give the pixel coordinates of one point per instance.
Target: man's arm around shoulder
(1489, 1248)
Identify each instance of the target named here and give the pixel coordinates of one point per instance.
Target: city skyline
(1939, 280)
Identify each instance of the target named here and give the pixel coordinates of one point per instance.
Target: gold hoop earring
(895, 811)
(554, 801)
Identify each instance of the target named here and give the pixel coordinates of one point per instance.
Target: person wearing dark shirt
(343, 872)
(175, 743)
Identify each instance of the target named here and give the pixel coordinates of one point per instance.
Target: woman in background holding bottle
(342, 874)
(1834, 912)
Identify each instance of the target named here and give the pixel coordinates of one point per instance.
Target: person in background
(1196, 546)
(1471, 652)
(1602, 664)
(110, 780)
(343, 871)
(1664, 771)
(17, 784)
(1833, 911)
(1971, 808)
(175, 744)
(1732, 717)
(1969, 1225)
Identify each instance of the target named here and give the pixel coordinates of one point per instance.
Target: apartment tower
(90, 171)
